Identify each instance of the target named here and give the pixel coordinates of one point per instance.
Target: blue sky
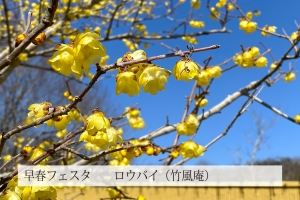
(283, 137)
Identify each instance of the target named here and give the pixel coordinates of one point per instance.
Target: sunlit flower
(64, 61)
(261, 62)
(153, 79)
(127, 84)
(289, 77)
(96, 122)
(190, 149)
(185, 69)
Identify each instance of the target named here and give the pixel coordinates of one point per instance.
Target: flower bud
(20, 39)
(40, 39)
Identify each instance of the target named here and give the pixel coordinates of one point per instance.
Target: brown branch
(46, 22)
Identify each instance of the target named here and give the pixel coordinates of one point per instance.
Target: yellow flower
(74, 115)
(182, 128)
(132, 112)
(238, 59)
(221, 3)
(247, 27)
(141, 197)
(196, 24)
(295, 35)
(254, 51)
(185, 69)
(188, 127)
(201, 102)
(36, 153)
(289, 77)
(96, 122)
(297, 118)
(140, 27)
(214, 13)
(192, 124)
(195, 4)
(261, 62)
(249, 15)
(190, 149)
(127, 84)
(113, 193)
(39, 110)
(6, 158)
(23, 57)
(113, 136)
(153, 79)
(202, 78)
(88, 50)
(39, 193)
(100, 139)
(63, 61)
(247, 56)
(230, 7)
(273, 66)
(190, 39)
(271, 29)
(61, 133)
(9, 195)
(139, 54)
(256, 12)
(59, 122)
(26, 150)
(136, 122)
(214, 72)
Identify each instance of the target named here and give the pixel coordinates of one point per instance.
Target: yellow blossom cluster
(297, 119)
(61, 133)
(186, 69)
(99, 132)
(190, 39)
(201, 101)
(250, 58)
(195, 4)
(214, 13)
(38, 111)
(190, 149)
(132, 78)
(273, 66)
(102, 139)
(205, 75)
(290, 76)
(221, 3)
(230, 7)
(76, 57)
(270, 29)
(189, 126)
(114, 193)
(295, 35)
(197, 24)
(134, 118)
(15, 192)
(23, 57)
(248, 26)
(135, 149)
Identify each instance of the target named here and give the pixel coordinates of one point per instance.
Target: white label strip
(197, 175)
